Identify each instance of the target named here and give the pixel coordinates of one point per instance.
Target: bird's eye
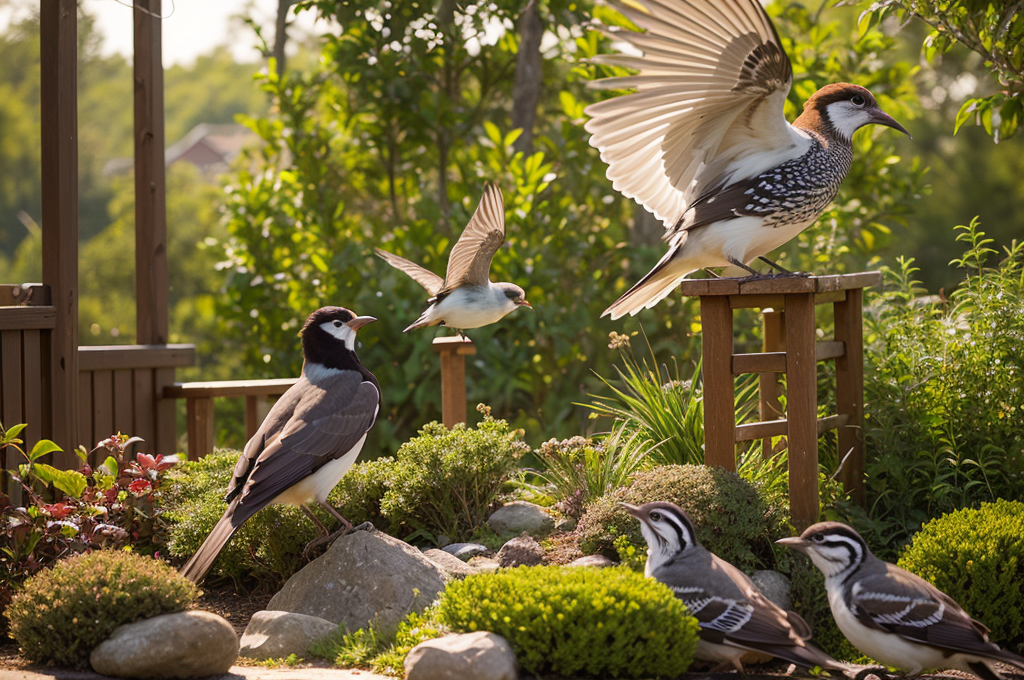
(655, 516)
(857, 100)
(337, 324)
(817, 538)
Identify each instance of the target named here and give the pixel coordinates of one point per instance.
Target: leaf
(43, 447)
(964, 113)
(493, 133)
(318, 262)
(109, 467)
(12, 432)
(71, 482)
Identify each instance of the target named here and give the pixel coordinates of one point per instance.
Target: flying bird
(735, 618)
(892, 615)
(310, 438)
(703, 144)
(465, 298)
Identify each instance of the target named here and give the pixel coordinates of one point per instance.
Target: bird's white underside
(469, 307)
(318, 485)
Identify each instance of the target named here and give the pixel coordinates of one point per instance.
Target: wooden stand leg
(719, 389)
(769, 406)
(453, 351)
(850, 391)
(802, 401)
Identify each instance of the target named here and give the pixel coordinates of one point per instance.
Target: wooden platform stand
(790, 347)
(453, 351)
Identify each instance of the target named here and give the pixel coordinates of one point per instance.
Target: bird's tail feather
(807, 656)
(652, 288)
(421, 322)
(195, 569)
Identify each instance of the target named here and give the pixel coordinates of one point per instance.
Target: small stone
(592, 561)
(190, 644)
(565, 524)
(452, 566)
(480, 656)
(464, 551)
(521, 551)
(443, 540)
(520, 517)
(774, 586)
(485, 564)
(275, 635)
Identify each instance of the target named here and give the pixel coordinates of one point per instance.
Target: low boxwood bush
(976, 556)
(577, 622)
(62, 613)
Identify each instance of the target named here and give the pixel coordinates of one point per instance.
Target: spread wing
(325, 422)
(426, 278)
(470, 261)
(707, 106)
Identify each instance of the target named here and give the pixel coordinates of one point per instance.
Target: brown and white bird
(465, 298)
(892, 615)
(735, 617)
(703, 142)
(310, 438)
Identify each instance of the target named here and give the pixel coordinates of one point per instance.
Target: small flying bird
(465, 298)
(310, 438)
(735, 617)
(894, 616)
(704, 145)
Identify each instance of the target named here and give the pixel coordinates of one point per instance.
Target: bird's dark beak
(794, 542)
(524, 303)
(360, 321)
(632, 509)
(880, 117)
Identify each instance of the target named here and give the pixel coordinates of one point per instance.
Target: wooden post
(257, 406)
(802, 409)
(199, 411)
(769, 406)
(453, 351)
(58, 27)
(850, 391)
(719, 389)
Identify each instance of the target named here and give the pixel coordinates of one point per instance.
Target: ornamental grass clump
(570, 621)
(62, 613)
(976, 556)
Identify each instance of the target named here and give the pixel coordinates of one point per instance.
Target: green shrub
(62, 613)
(570, 621)
(976, 556)
(381, 651)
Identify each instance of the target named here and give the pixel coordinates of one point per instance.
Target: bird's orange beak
(524, 303)
(360, 321)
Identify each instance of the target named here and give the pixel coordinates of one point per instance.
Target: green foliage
(557, 619)
(942, 392)
(63, 613)
(976, 556)
(381, 651)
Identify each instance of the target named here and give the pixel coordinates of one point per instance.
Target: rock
(442, 540)
(452, 566)
(520, 517)
(364, 576)
(274, 635)
(523, 550)
(565, 524)
(190, 644)
(774, 586)
(464, 551)
(480, 656)
(484, 564)
(592, 561)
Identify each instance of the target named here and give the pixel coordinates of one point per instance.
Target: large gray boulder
(276, 635)
(520, 517)
(774, 586)
(521, 551)
(364, 576)
(480, 656)
(190, 644)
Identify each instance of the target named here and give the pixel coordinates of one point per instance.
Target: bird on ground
(465, 298)
(892, 615)
(735, 618)
(310, 438)
(703, 142)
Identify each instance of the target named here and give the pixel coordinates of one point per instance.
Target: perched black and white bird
(703, 142)
(735, 617)
(465, 298)
(310, 438)
(892, 615)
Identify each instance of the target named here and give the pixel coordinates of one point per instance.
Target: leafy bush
(976, 556)
(61, 614)
(569, 621)
(942, 393)
(381, 651)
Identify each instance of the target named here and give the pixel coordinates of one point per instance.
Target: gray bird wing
(470, 261)
(426, 278)
(899, 602)
(315, 426)
(710, 93)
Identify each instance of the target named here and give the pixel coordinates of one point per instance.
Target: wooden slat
(24, 294)
(801, 410)
(144, 408)
(777, 302)
(777, 428)
(453, 353)
(769, 405)
(32, 363)
(166, 440)
(228, 388)
(779, 285)
(848, 281)
(719, 389)
(850, 392)
(112, 357)
(759, 362)
(252, 414)
(124, 402)
(18, 318)
(10, 399)
(102, 406)
(58, 68)
(86, 435)
(828, 349)
(200, 427)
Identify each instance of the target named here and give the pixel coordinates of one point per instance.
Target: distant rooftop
(209, 147)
